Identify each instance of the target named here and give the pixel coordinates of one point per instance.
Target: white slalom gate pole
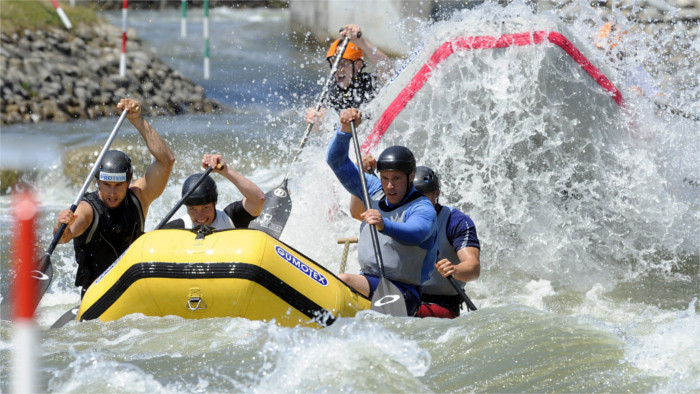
(61, 14)
(183, 20)
(122, 59)
(206, 39)
(24, 296)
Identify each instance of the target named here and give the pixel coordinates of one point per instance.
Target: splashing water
(588, 213)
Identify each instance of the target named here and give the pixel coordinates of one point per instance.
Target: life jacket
(109, 235)
(402, 263)
(437, 284)
(360, 91)
(221, 222)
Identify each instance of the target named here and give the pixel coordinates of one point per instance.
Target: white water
(588, 223)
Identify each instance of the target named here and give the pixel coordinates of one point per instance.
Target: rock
(59, 75)
(81, 93)
(147, 88)
(50, 90)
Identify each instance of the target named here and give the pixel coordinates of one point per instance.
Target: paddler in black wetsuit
(201, 203)
(108, 220)
(352, 87)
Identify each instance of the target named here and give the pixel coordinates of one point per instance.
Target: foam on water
(588, 216)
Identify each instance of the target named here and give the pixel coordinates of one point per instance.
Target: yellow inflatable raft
(236, 273)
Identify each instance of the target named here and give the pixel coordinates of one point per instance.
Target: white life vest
(221, 222)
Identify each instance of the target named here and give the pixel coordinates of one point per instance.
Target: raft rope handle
(347, 242)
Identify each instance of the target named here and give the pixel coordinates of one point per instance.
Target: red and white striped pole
(24, 294)
(122, 59)
(206, 39)
(61, 14)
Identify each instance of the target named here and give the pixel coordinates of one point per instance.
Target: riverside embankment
(53, 74)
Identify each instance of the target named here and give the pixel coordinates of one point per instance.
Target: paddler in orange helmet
(353, 86)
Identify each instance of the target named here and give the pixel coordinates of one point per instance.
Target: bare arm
(374, 55)
(151, 186)
(357, 208)
(253, 197)
(469, 267)
(77, 222)
(315, 117)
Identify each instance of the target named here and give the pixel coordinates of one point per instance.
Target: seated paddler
(201, 203)
(404, 218)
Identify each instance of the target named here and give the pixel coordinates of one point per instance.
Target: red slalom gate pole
(25, 294)
(122, 58)
(61, 14)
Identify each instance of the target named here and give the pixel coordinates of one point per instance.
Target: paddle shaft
(278, 204)
(44, 272)
(182, 200)
(86, 184)
(319, 102)
(470, 304)
(365, 194)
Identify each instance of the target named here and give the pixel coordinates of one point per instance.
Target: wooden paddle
(278, 203)
(44, 272)
(387, 298)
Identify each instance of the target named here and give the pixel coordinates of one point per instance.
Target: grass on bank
(17, 15)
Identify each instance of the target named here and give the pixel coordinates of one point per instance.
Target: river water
(589, 217)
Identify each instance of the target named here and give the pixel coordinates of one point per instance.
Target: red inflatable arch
(482, 42)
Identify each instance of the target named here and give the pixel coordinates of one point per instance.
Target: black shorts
(453, 303)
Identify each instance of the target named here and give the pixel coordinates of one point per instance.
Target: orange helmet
(352, 52)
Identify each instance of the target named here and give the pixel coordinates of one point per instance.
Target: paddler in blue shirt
(458, 252)
(404, 218)
(458, 247)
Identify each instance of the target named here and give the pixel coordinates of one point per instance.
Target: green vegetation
(39, 14)
(8, 179)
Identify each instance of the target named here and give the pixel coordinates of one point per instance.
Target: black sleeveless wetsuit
(109, 235)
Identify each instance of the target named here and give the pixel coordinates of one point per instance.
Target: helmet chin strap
(354, 72)
(409, 186)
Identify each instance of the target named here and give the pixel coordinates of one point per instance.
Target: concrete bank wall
(379, 19)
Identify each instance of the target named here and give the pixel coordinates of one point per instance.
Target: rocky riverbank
(51, 74)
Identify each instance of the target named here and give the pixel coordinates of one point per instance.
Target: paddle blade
(42, 275)
(69, 316)
(275, 212)
(388, 299)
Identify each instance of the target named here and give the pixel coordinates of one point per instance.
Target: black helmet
(426, 180)
(203, 194)
(396, 158)
(115, 167)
